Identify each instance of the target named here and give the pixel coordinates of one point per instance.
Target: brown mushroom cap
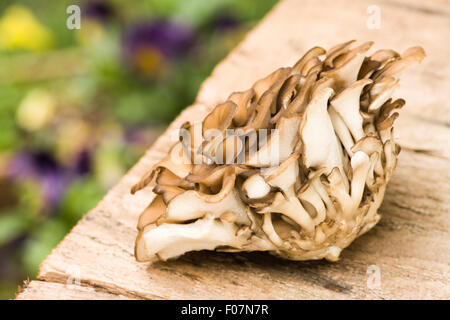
(336, 51)
(347, 65)
(154, 210)
(311, 54)
(220, 118)
(261, 86)
(243, 102)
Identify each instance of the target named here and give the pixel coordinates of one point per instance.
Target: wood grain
(57, 291)
(411, 243)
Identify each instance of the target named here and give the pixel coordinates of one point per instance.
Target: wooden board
(57, 291)
(410, 246)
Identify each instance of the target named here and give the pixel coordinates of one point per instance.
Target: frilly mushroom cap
(297, 165)
(243, 101)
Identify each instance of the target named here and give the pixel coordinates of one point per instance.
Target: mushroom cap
(220, 118)
(243, 101)
(154, 210)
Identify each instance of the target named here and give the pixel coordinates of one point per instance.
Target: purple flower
(224, 22)
(27, 163)
(97, 10)
(42, 167)
(82, 163)
(44, 162)
(52, 177)
(21, 165)
(54, 185)
(148, 45)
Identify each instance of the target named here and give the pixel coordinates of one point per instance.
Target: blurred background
(79, 107)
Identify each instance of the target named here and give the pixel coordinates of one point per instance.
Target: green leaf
(11, 226)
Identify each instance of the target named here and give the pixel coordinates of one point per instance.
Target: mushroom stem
(342, 131)
(312, 198)
(172, 240)
(292, 208)
(321, 147)
(270, 230)
(350, 202)
(360, 165)
(322, 191)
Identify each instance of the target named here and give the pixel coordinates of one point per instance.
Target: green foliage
(98, 99)
(41, 242)
(81, 196)
(9, 98)
(11, 225)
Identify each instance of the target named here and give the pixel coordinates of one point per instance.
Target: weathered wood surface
(57, 291)
(411, 244)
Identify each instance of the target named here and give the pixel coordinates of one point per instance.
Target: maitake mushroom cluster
(297, 165)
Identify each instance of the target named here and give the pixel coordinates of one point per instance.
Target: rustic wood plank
(409, 245)
(51, 291)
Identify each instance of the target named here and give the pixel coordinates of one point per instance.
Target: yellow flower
(19, 29)
(35, 110)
